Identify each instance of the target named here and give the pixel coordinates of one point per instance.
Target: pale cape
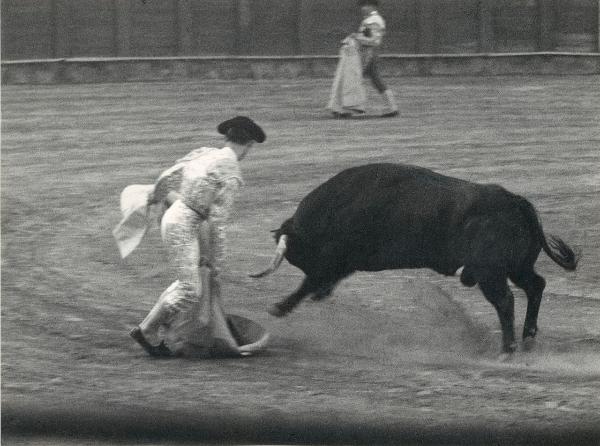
(134, 224)
(347, 90)
(210, 332)
(135, 210)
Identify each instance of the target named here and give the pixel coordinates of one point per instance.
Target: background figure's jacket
(207, 180)
(370, 34)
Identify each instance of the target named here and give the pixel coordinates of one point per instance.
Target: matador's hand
(215, 272)
(215, 283)
(151, 199)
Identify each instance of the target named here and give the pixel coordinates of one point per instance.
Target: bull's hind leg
(533, 285)
(497, 292)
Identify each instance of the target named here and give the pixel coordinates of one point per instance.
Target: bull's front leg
(285, 306)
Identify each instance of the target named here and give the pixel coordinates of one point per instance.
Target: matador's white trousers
(188, 316)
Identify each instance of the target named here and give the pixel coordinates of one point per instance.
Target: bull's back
(389, 216)
(360, 198)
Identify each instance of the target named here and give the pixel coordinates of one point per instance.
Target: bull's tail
(560, 252)
(553, 246)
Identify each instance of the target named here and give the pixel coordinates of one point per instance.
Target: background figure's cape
(348, 91)
(209, 332)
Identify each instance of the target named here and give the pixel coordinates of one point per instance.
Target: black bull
(390, 216)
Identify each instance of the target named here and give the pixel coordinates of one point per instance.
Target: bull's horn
(279, 253)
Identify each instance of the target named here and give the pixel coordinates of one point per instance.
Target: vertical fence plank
(325, 23)
(244, 29)
(486, 27)
(215, 27)
(298, 29)
(274, 25)
(401, 17)
(426, 17)
(184, 28)
(456, 27)
(304, 22)
(61, 21)
(28, 29)
(577, 25)
(122, 28)
(515, 24)
(546, 10)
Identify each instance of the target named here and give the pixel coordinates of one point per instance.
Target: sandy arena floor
(400, 356)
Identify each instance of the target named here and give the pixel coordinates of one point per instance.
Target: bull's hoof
(508, 352)
(467, 279)
(528, 343)
(506, 357)
(277, 311)
(319, 297)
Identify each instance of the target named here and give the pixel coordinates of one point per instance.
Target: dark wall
(33, 29)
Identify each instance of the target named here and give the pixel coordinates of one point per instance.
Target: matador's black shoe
(160, 350)
(391, 114)
(341, 115)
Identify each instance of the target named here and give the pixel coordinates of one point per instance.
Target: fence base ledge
(153, 69)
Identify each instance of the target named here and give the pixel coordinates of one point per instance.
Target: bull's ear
(274, 230)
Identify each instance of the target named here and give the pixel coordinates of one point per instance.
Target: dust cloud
(425, 325)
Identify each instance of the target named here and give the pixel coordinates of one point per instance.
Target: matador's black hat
(251, 128)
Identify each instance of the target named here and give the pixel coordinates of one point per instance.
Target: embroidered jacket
(370, 34)
(207, 180)
(371, 30)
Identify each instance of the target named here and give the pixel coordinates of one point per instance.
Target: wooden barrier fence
(42, 29)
